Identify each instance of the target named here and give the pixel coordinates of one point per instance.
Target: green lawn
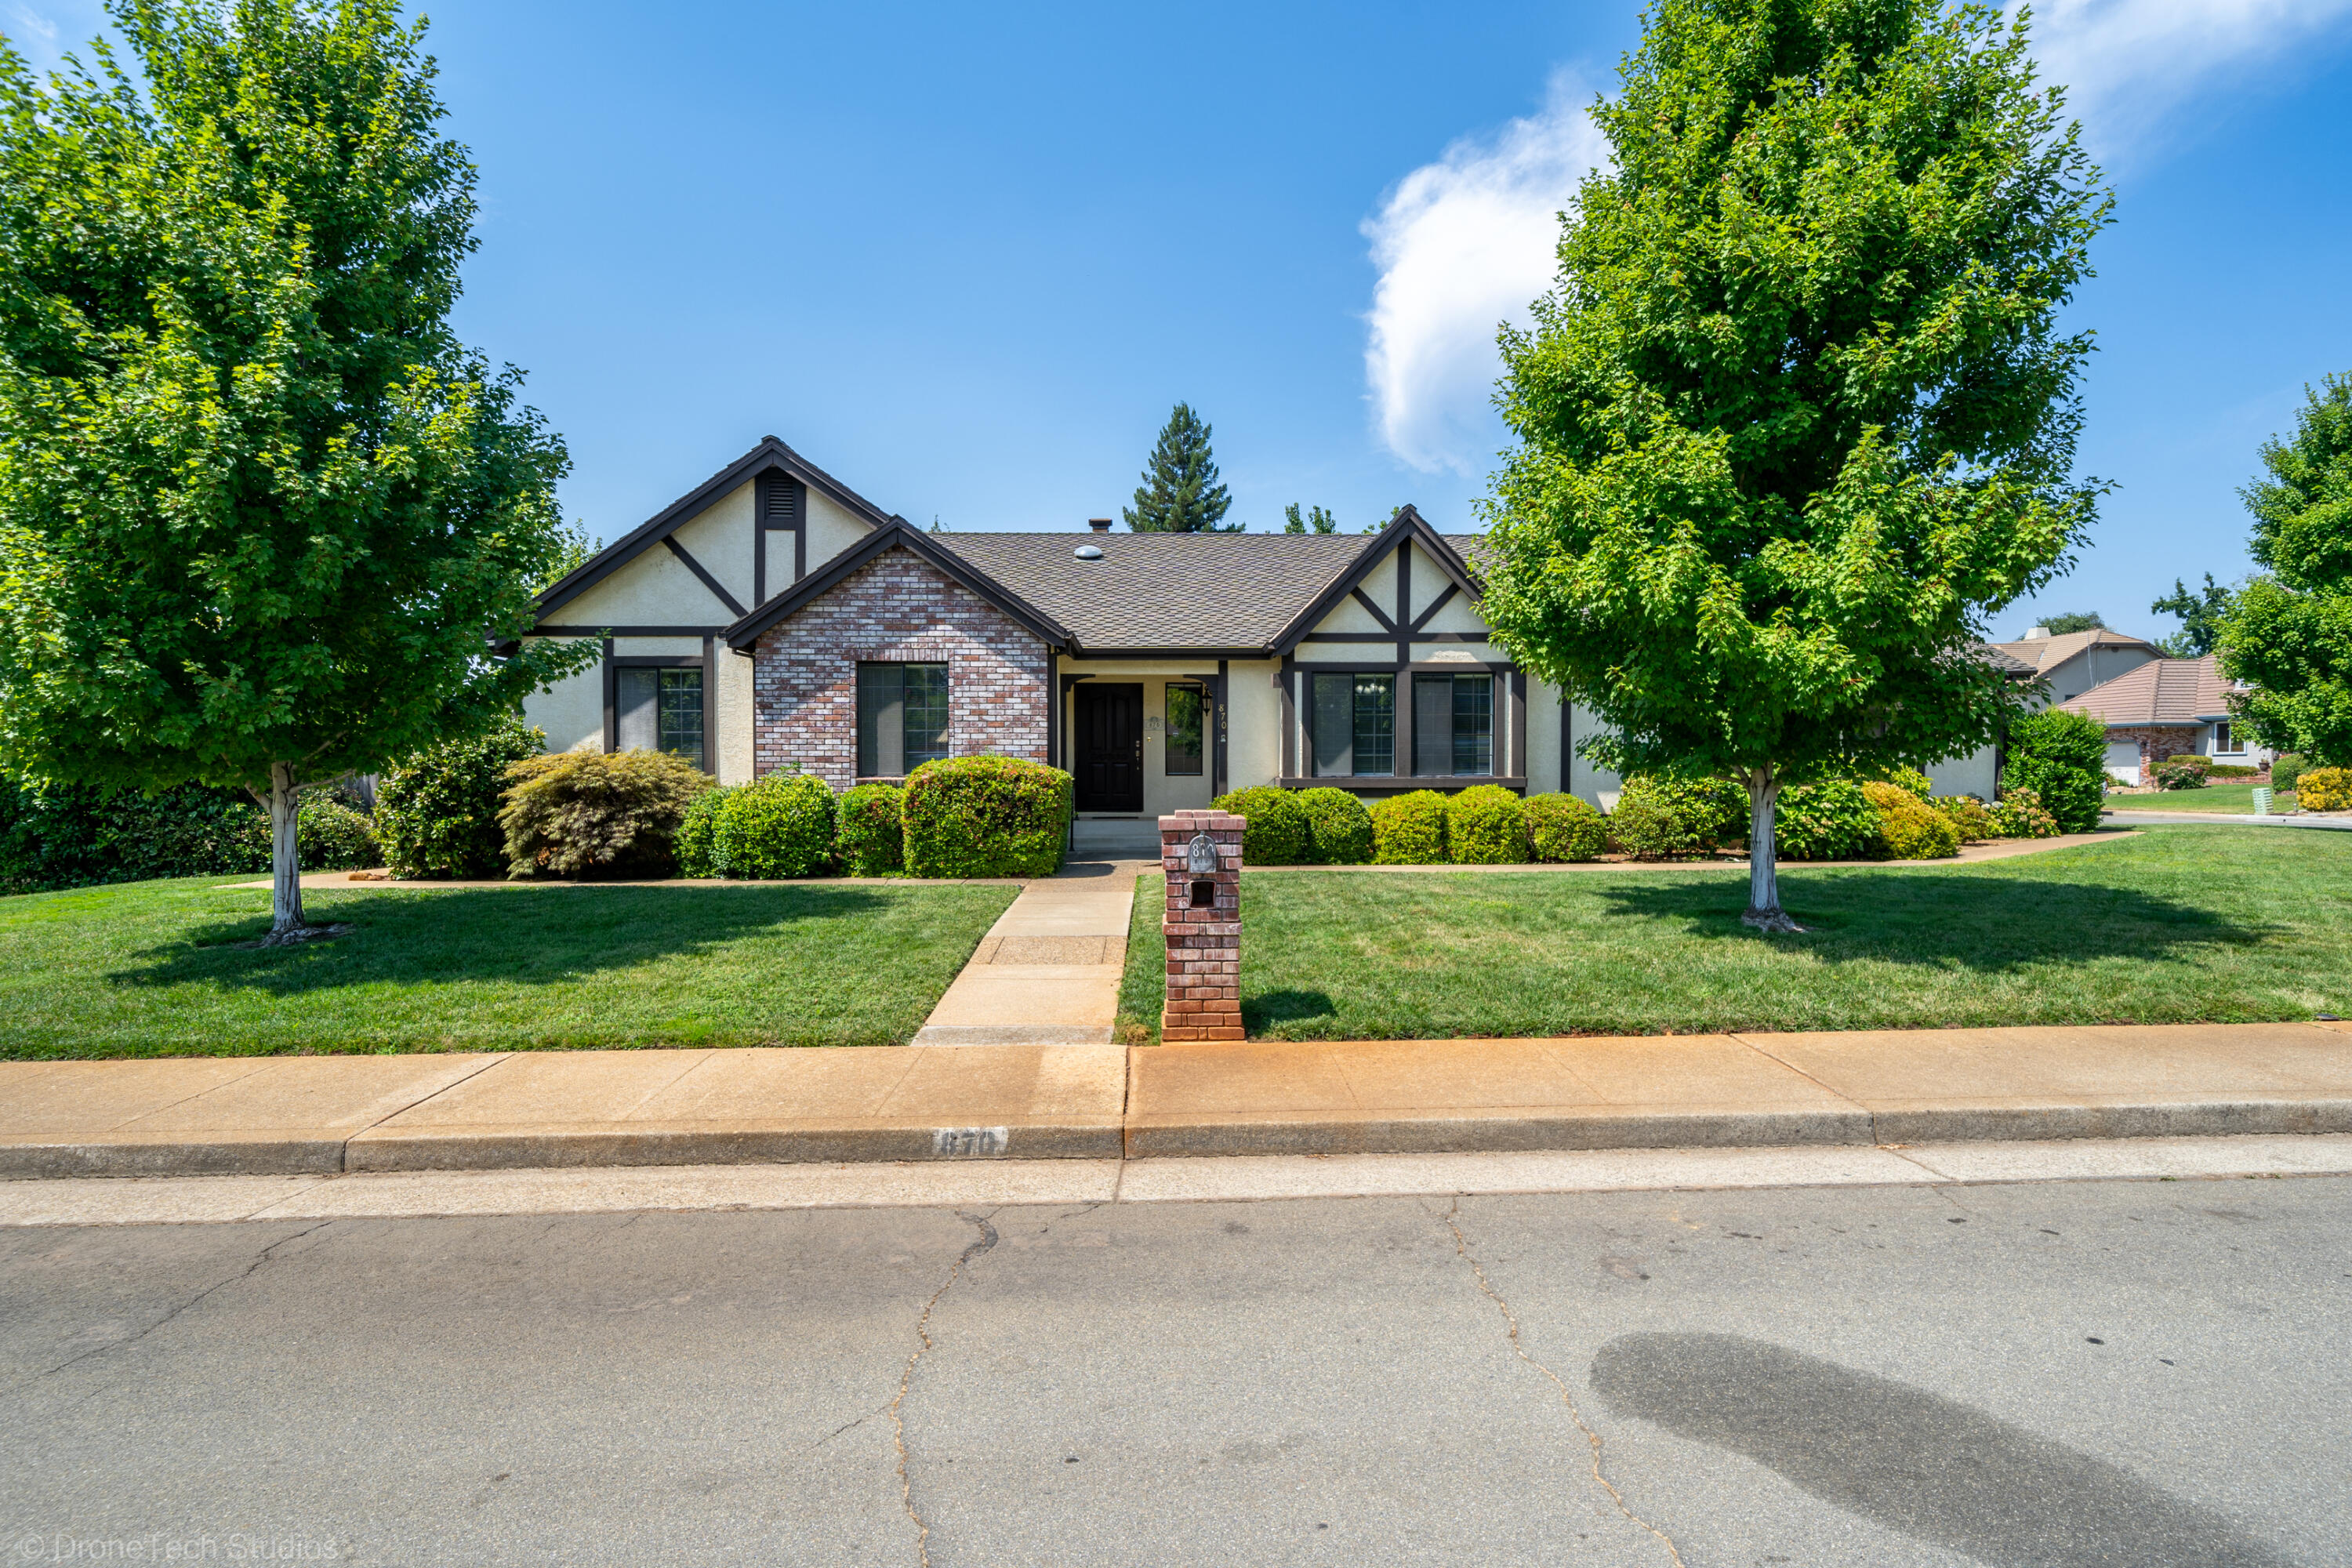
(154, 969)
(2180, 924)
(2229, 797)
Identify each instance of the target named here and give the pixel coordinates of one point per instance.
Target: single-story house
(2164, 708)
(773, 617)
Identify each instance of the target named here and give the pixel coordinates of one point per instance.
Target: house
(774, 618)
(2073, 662)
(2164, 708)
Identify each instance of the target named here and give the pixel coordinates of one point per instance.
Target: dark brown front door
(1109, 752)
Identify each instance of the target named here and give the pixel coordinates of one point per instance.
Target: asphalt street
(2135, 1373)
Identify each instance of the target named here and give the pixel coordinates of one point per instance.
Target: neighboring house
(2073, 662)
(2165, 708)
(774, 618)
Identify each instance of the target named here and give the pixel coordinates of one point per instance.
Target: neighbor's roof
(1997, 656)
(2043, 655)
(2161, 692)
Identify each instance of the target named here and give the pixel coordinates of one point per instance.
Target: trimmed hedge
(1339, 827)
(1562, 828)
(2182, 771)
(1485, 824)
(436, 815)
(2324, 789)
(780, 825)
(696, 845)
(1829, 820)
(873, 836)
(2233, 771)
(1277, 832)
(74, 836)
(1657, 818)
(986, 817)
(2286, 770)
(1911, 828)
(1409, 829)
(2062, 757)
(587, 814)
(328, 836)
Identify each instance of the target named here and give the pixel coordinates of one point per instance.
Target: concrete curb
(1503, 1132)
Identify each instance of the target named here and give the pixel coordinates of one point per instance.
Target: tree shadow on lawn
(525, 936)
(1984, 923)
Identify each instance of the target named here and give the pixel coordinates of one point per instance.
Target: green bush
(2324, 789)
(328, 836)
(436, 815)
(1910, 781)
(872, 837)
(2019, 814)
(2286, 768)
(587, 814)
(1485, 824)
(695, 845)
(1911, 828)
(780, 825)
(1409, 829)
(2181, 771)
(1339, 827)
(1969, 814)
(1658, 819)
(986, 817)
(73, 836)
(1562, 828)
(1277, 832)
(2233, 771)
(1831, 820)
(2062, 757)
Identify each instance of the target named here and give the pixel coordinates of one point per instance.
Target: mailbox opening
(1204, 895)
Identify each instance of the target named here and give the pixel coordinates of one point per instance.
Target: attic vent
(1089, 552)
(782, 503)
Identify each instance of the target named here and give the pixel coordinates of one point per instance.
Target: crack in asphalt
(259, 1259)
(906, 1380)
(1568, 1398)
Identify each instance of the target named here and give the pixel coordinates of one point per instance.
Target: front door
(1110, 750)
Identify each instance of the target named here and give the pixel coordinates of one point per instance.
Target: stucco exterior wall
(732, 753)
(653, 589)
(1253, 723)
(1972, 775)
(571, 712)
(832, 528)
(719, 537)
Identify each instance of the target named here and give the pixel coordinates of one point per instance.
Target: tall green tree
(1798, 416)
(1179, 492)
(262, 515)
(1317, 520)
(2288, 635)
(2200, 611)
(2066, 621)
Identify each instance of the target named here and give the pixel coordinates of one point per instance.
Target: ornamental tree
(261, 514)
(2288, 635)
(1798, 416)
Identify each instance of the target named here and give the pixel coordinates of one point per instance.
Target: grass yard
(2225, 797)
(161, 969)
(2181, 924)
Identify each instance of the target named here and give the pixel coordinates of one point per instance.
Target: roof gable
(2161, 692)
(1406, 525)
(895, 533)
(2046, 654)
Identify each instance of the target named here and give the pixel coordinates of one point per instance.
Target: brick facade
(2157, 742)
(896, 608)
(1204, 938)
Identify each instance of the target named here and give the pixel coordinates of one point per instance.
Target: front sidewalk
(536, 1109)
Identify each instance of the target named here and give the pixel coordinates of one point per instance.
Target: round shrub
(1339, 827)
(1911, 828)
(872, 841)
(2324, 789)
(696, 844)
(1277, 832)
(985, 816)
(587, 814)
(436, 815)
(1831, 820)
(1562, 828)
(1969, 814)
(2286, 768)
(1659, 818)
(329, 836)
(2019, 814)
(1911, 781)
(2062, 757)
(1485, 824)
(1409, 829)
(781, 824)
(2185, 771)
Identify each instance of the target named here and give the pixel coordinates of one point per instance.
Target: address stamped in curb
(969, 1142)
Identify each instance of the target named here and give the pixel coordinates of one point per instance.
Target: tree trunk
(1764, 911)
(285, 872)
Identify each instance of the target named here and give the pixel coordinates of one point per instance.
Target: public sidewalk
(540, 1110)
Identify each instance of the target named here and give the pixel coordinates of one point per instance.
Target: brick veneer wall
(894, 609)
(2157, 742)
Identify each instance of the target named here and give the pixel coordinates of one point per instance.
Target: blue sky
(966, 259)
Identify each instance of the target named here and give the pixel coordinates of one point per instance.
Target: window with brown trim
(659, 710)
(1453, 724)
(1354, 727)
(902, 717)
(1182, 754)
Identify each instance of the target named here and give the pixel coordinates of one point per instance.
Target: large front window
(1355, 725)
(902, 717)
(659, 710)
(1453, 724)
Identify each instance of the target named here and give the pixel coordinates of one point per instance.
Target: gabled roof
(2046, 654)
(1995, 655)
(1407, 524)
(769, 456)
(2161, 692)
(897, 533)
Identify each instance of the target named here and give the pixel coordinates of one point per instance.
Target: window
(2222, 744)
(659, 710)
(1453, 724)
(1355, 724)
(1183, 752)
(902, 717)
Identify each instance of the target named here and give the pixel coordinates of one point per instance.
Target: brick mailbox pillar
(1201, 851)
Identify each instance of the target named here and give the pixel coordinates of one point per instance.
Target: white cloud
(1462, 245)
(2126, 63)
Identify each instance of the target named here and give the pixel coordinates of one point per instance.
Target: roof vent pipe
(1099, 525)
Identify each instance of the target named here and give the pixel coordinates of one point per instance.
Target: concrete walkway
(543, 1110)
(2134, 819)
(1048, 972)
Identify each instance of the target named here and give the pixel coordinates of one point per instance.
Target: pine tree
(1317, 520)
(1179, 492)
(2200, 611)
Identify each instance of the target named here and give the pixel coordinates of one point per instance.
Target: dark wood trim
(711, 705)
(1411, 638)
(1406, 524)
(799, 537)
(1053, 708)
(1400, 757)
(1436, 605)
(1217, 696)
(608, 633)
(657, 661)
(611, 702)
(1517, 761)
(1404, 602)
(1388, 784)
(1567, 744)
(703, 574)
(1391, 667)
(1287, 683)
(1378, 614)
(1107, 654)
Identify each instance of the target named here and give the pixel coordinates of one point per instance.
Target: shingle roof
(2008, 663)
(2161, 692)
(2046, 654)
